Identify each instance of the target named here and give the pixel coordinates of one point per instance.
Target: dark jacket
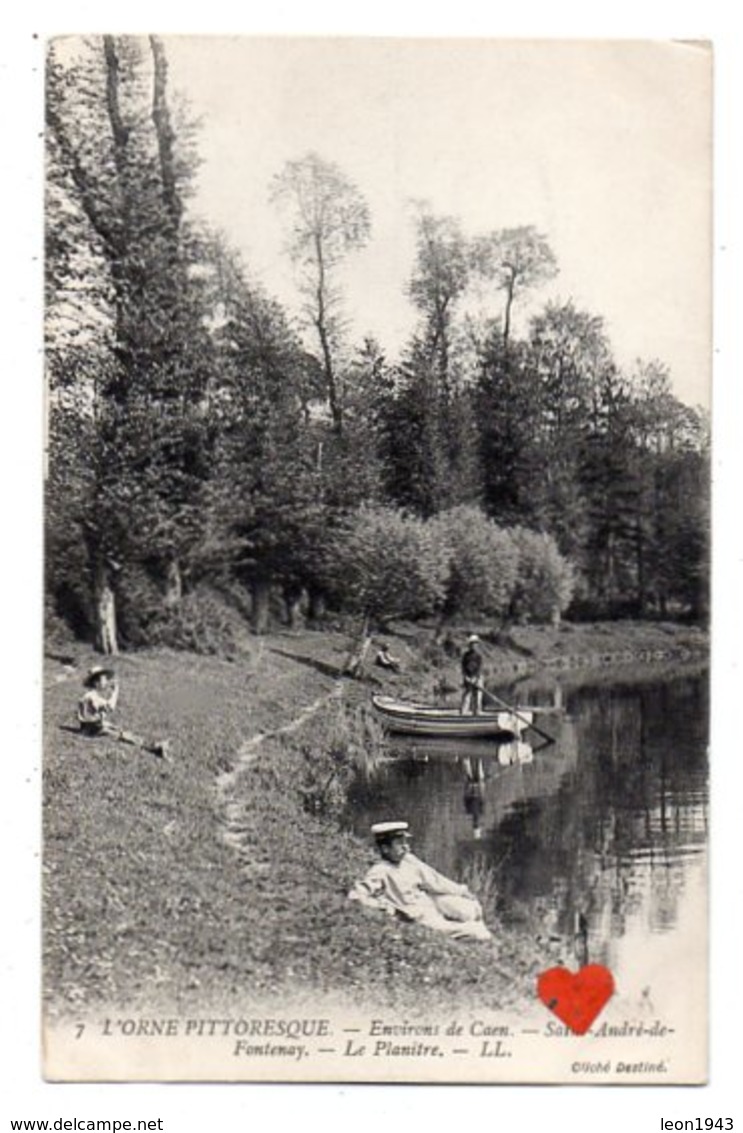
(471, 664)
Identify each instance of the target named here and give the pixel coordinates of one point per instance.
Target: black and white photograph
(377, 524)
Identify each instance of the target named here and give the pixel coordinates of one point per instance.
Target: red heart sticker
(576, 998)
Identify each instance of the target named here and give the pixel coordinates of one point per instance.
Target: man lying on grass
(403, 886)
(99, 702)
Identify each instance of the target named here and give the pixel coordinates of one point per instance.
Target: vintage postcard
(376, 560)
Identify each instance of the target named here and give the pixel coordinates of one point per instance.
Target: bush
(59, 638)
(387, 564)
(203, 621)
(139, 602)
(482, 562)
(68, 605)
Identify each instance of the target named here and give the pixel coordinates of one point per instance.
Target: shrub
(203, 621)
(387, 564)
(58, 636)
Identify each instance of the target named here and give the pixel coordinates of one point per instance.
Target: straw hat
(96, 672)
(388, 829)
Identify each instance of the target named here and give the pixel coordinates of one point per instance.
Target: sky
(604, 146)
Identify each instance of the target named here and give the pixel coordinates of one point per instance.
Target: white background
(201, 1107)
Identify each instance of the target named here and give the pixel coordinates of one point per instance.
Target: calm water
(609, 822)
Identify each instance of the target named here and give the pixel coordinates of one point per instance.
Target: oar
(517, 714)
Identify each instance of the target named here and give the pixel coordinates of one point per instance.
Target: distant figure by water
(385, 660)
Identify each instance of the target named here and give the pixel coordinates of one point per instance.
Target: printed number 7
(80, 1028)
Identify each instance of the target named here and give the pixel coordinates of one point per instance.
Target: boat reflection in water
(456, 791)
(478, 769)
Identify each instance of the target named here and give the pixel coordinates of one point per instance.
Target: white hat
(472, 639)
(380, 829)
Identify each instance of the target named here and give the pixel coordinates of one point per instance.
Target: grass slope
(205, 883)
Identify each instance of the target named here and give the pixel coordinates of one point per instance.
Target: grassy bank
(213, 881)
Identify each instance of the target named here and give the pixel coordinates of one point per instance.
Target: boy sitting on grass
(99, 702)
(401, 885)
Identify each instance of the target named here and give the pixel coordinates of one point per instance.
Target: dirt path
(248, 752)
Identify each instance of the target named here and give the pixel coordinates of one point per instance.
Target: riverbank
(220, 879)
(522, 651)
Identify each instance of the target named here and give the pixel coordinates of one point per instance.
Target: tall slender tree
(439, 280)
(509, 411)
(329, 219)
(569, 354)
(436, 455)
(514, 259)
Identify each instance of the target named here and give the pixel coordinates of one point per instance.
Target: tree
(439, 280)
(117, 180)
(482, 562)
(514, 259)
(570, 356)
(266, 505)
(350, 463)
(329, 219)
(414, 442)
(508, 407)
(431, 435)
(279, 522)
(613, 480)
(673, 524)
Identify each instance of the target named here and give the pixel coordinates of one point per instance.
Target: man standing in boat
(472, 686)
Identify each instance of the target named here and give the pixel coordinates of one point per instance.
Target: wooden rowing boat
(411, 719)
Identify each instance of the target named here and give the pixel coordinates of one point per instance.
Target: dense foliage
(483, 562)
(196, 438)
